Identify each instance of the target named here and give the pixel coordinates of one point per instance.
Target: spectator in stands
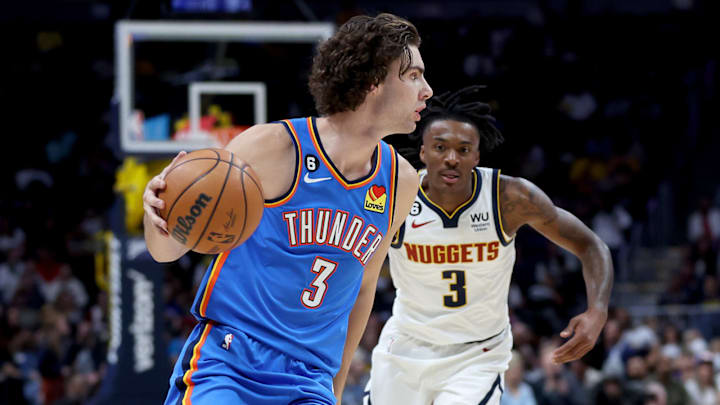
(71, 298)
(10, 272)
(613, 346)
(711, 293)
(357, 378)
(684, 286)
(550, 383)
(715, 353)
(524, 341)
(586, 378)
(643, 336)
(636, 376)
(671, 347)
(10, 237)
(694, 342)
(53, 339)
(77, 389)
(674, 389)
(655, 394)
(610, 391)
(702, 389)
(28, 297)
(611, 223)
(707, 321)
(704, 234)
(50, 270)
(517, 391)
(12, 380)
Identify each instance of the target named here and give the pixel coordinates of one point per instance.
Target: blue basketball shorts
(220, 365)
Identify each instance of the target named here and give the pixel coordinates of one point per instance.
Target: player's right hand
(583, 331)
(151, 202)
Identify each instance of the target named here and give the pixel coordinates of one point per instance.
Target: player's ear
(422, 154)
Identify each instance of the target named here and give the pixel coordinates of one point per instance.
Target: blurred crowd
(53, 332)
(581, 113)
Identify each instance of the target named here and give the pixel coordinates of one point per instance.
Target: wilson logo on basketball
(185, 223)
(375, 199)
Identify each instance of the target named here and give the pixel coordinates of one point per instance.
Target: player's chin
(406, 129)
(411, 126)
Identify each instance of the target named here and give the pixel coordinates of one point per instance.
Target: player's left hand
(583, 331)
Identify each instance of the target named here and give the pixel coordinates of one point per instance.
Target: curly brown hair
(357, 57)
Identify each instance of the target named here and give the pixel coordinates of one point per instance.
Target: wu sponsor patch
(480, 221)
(375, 199)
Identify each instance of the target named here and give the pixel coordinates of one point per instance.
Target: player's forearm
(161, 247)
(598, 274)
(356, 326)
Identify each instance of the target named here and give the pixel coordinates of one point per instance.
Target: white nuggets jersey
(452, 271)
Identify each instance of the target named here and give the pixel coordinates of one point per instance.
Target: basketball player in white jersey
(449, 340)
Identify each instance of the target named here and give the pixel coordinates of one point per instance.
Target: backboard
(178, 82)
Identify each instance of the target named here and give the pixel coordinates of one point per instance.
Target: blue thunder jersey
(293, 283)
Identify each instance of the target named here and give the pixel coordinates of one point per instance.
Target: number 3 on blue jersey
(324, 269)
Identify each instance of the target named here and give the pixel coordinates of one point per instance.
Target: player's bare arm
(267, 148)
(406, 191)
(521, 203)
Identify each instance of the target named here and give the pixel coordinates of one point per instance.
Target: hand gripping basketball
(151, 203)
(213, 200)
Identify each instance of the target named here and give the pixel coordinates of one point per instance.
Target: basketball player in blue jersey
(281, 315)
(449, 339)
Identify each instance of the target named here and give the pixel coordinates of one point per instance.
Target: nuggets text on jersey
(464, 253)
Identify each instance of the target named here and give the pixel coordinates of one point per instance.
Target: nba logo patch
(228, 339)
(375, 199)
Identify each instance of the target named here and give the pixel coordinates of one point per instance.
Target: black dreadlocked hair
(461, 106)
(458, 106)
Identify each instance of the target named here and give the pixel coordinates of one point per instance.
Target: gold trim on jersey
(468, 201)
(507, 239)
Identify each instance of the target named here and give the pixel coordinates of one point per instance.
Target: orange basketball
(213, 201)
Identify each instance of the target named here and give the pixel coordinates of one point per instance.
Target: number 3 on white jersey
(324, 268)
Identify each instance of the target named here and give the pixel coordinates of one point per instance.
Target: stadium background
(609, 106)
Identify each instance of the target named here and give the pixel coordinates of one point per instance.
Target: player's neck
(448, 198)
(350, 141)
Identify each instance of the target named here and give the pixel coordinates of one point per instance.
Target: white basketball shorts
(406, 370)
